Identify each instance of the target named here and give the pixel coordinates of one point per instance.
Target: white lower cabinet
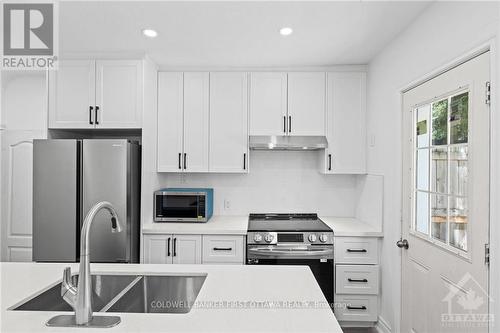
(357, 280)
(172, 249)
(193, 249)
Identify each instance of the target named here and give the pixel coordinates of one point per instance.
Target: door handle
(403, 244)
(91, 108)
(97, 115)
(168, 247)
(180, 167)
(357, 280)
(289, 124)
(175, 247)
(329, 162)
(185, 159)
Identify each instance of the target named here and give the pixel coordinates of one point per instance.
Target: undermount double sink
(128, 294)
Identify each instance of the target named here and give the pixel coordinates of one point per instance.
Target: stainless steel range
(293, 239)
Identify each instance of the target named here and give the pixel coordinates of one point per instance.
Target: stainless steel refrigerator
(69, 177)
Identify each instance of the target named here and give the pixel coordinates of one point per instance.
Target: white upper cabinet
(306, 103)
(170, 121)
(196, 116)
(183, 117)
(72, 95)
(268, 103)
(118, 94)
(346, 123)
(228, 122)
(96, 94)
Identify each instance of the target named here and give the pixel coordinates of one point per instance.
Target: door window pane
(459, 170)
(439, 182)
(440, 122)
(459, 118)
(439, 218)
(458, 222)
(422, 212)
(423, 169)
(423, 125)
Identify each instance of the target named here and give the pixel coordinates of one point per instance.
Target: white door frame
(494, 288)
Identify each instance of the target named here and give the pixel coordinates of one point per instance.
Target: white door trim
(494, 289)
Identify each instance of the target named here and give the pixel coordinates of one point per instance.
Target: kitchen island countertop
(292, 285)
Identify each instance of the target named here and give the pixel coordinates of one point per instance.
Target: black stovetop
(286, 222)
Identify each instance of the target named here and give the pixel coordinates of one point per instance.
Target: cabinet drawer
(356, 250)
(356, 308)
(223, 249)
(357, 279)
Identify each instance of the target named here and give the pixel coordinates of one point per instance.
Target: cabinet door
(156, 249)
(119, 94)
(306, 103)
(228, 122)
(268, 103)
(346, 123)
(186, 249)
(196, 122)
(72, 94)
(170, 121)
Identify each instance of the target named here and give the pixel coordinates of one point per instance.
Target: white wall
(279, 181)
(445, 31)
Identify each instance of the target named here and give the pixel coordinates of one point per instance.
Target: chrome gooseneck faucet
(80, 298)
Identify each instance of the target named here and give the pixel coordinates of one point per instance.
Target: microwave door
(180, 207)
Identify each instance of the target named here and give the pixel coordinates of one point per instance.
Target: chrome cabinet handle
(357, 250)
(357, 280)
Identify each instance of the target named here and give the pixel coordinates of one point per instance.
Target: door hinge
(487, 253)
(488, 93)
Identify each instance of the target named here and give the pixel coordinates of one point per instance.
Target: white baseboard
(382, 326)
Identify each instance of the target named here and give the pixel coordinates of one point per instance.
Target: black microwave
(183, 204)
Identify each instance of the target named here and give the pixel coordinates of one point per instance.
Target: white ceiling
(240, 34)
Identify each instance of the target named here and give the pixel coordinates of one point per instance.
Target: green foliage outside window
(440, 122)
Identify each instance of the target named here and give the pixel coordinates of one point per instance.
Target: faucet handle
(68, 290)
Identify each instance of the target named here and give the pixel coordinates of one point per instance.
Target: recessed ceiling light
(286, 31)
(149, 33)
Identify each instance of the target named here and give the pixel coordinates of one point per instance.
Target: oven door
(182, 206)
(318, 258)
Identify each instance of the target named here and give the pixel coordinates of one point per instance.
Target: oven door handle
(284, 253)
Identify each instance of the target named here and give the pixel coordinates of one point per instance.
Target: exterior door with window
(446, 201)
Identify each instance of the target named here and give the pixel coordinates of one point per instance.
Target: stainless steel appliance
(293, 239)
(69, 177)
(183, 204)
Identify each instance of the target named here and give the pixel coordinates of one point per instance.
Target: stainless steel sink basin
(104, 289)
(127, 293)
(160, 294)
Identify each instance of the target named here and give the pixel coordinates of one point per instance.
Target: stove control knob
(257, 238)
(323, 238)
(312, 238)
(269, 238)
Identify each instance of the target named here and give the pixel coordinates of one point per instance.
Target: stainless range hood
(285, 142)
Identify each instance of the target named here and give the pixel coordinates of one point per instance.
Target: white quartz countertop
(293, 285)
(350, 227)
(217, 225)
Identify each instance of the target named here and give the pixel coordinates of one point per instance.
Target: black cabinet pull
(357, 280)
(284, 124)
(329, 162)
(289, 124)
(244, 161)
(223, 248)
(185, 159)
(357, 250)
(175, 247)
(168, 247)
(349, 307)
(97, 115)
(90, 115)
(180, 167)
